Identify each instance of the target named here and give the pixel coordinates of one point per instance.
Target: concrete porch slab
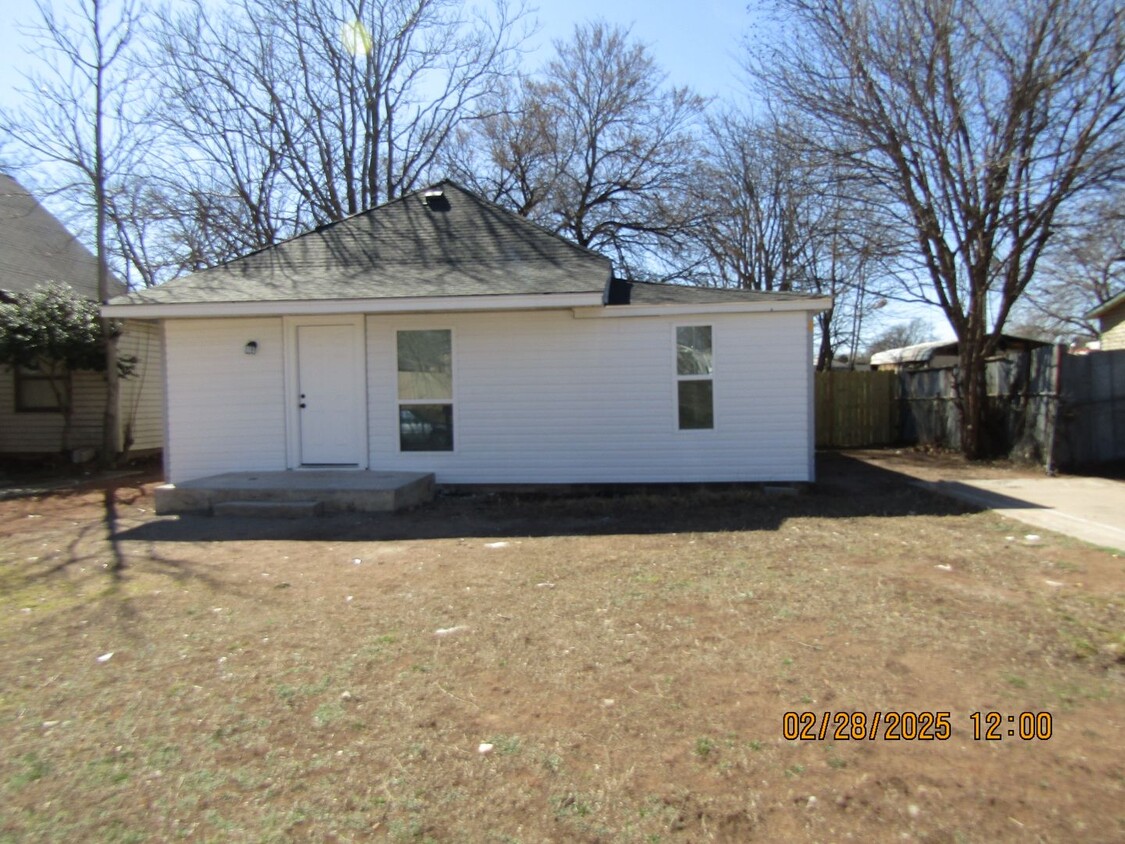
(336, 491)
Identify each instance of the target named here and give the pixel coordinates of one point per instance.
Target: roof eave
(733, 307)
(1107, 306)
(317, 307)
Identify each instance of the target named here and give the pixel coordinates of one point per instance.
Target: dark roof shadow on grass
(847, 488)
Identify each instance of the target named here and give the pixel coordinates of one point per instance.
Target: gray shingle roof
(456, 245)
(36, 248)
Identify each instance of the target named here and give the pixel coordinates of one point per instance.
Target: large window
(41, 389)
(694, 367)
(425, 390)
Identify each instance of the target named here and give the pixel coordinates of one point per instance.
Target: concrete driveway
(1090, 509)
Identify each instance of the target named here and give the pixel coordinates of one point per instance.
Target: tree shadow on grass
(847, 488)
(96, 545)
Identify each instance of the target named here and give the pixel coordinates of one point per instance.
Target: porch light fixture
(251, 348)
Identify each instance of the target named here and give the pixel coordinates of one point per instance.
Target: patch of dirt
(630, 659)
(933, 464)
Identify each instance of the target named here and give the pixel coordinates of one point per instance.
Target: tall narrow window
(425, 390)
(694, 366)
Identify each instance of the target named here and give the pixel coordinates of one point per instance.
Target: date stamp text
(909, 725)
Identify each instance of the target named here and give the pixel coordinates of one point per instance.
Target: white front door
(330, 408)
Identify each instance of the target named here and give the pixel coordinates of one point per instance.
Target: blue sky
(697, 43)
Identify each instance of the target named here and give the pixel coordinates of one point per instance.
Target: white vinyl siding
(142, 393)
(226, 409)
(540, 397)
(543, 397)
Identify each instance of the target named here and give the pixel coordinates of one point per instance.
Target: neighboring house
(440, 333)
(1111, 322)
(942, 354)
(35, 248)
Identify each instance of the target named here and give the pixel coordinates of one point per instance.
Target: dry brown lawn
(629, 659)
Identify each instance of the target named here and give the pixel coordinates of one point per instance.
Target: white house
(440, 333)
(36, 248)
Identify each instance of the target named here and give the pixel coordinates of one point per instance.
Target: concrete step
(336, 491)
(269, 509)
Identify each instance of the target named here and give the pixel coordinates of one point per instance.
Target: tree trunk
(110, 425)
(973, 400)
(110, 444)
(824, 355)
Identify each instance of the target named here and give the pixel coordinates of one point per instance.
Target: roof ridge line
(525, 220)
(401, 198)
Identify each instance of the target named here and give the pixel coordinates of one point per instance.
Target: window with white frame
(425, 390)
(694, 377)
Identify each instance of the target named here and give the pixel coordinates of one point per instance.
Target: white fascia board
(319, 307)
(618, 311)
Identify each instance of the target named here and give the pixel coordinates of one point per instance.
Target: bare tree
(751, 187)
(624, 144)
(771, 217)
(596, 147)
(900, 335)
(1084, 268)
(973, 124)
(140, 225)
(292, 113)
(508, 154)
(78, 122)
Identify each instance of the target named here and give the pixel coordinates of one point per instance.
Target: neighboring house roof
(922, 353)
(918, 353)
(1107, 306)
(440, 248)
(36, 248)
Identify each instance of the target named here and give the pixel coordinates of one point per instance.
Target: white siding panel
(142, 394)
(225, 408)
(542, 397)
(88, 394)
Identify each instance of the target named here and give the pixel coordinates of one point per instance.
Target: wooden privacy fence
(1020, 408)
(1043, 406)
(1091, 427)
(855, 409)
